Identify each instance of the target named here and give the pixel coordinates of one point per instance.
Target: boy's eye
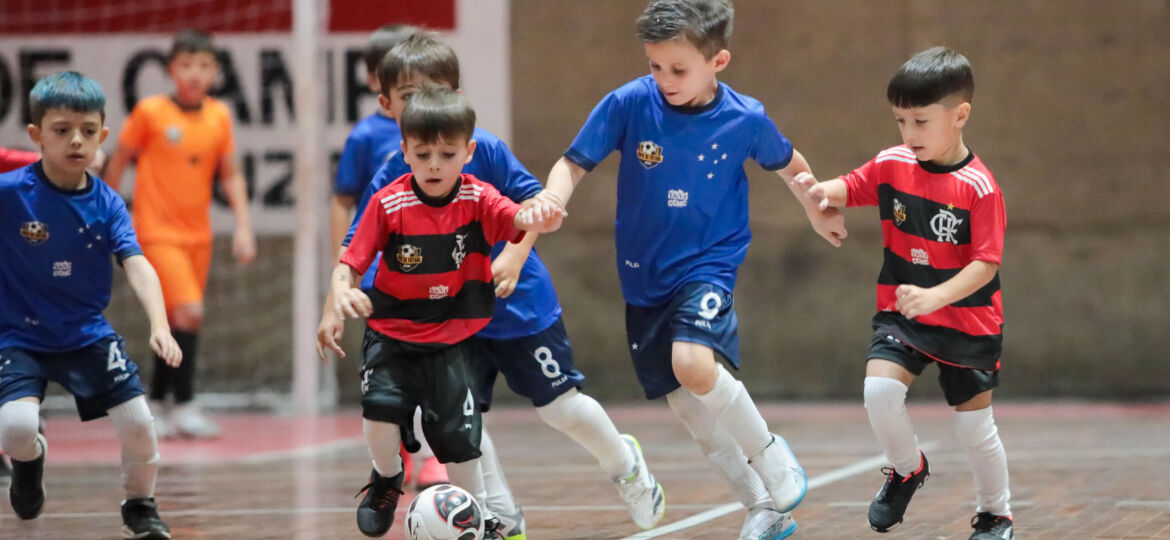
(920, 122)
(422, 156)
(60, 131)
(678, 71)
(448, 155)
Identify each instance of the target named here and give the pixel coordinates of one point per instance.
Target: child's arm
(828, 194)
(914, 301)
(562, 179)
(331, 327)
(243, 241)
(508, 264)
(349, 300)
(144, 281)
(117, 165)
(340, 217)
(827, 222)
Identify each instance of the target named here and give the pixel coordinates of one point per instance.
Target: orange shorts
(182, 269)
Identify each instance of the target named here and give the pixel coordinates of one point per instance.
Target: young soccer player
(682, 232)
(182, 141)
(433, 291)
(938, 294)
(526, 338)
(55, 282)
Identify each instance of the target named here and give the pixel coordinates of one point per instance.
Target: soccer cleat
(781, 473)
(375, 514)
(407, 466)
(493, 529)
(432, 473)
(189, 421)
(641, 492)
(989, 526)
(890, 504)
(26, 491)
(765, 523)
(140, 520)
(512, 525)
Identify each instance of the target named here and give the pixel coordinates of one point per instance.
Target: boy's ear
(34, 133)
(470, 151)
(721, 59)
(962, 113)
(372, 82)
(105, 133)
(384, 102)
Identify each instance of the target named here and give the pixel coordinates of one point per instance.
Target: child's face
(193, 73)
(437, 165)
(400, 93)
(68, 139)
(683, 75)
(932, 132)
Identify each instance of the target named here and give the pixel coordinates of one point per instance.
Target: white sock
(583, 420)
(737, 413)
(135, 427)
(885, 401)
(498, 495)
(18, 430)
(469, 476)
(720, 448)
(977, 432)
(424, 451)
(383, 441)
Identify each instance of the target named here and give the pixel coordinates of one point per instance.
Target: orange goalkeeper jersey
(179, 150)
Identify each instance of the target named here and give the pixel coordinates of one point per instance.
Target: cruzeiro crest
(899, 212)
(649, 154)
(409, 257)
(34, 232)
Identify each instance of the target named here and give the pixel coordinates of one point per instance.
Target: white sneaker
(189, 421)
(783, 476)
(641, 492)
(160, 411)
(765, 523)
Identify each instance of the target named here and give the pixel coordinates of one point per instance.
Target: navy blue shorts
(99, 376)
(959, 384)
(539, 367)
(699, 313)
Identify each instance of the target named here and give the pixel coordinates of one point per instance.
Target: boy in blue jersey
(55, 282)
(682, 232)
(526, 339)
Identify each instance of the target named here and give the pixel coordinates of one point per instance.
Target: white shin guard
(135, 427)
(737, 413)
(720, 448)
(980, 437)
(469, 476)
(499, 497)
(885, 402)
(582, 419)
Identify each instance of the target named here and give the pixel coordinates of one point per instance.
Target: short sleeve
(861, 185)
(988, 224)
(770, 148)
(392, 168)
(367, 241)
(602, 133)
(498, 216)
(123, 239)
(351, 167)
(509, 175)
(136, 129)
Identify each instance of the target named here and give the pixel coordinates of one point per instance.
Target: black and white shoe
(989, 526)
(375, 514)
(889, 506)
(26, 492)
(140, 520)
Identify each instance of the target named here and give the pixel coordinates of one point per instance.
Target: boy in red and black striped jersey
(432, 292)
(938, 291)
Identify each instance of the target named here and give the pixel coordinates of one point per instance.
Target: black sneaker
(989, 526)
(889, 506)
(26, 492)
(493, 529)
(375, 514)
(140, 520)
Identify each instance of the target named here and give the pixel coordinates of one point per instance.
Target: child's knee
(18, 428)
(694, 366)
(561, 414)
(884, 395)
(187, 317)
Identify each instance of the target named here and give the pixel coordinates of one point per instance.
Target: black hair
(930, 77)
(66, 90)
(191, 40)
(706, 24)
(381, 41)
(420, 54)
(437, 113)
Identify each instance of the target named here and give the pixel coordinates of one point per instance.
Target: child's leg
(976, 428)
(383, 440)
(582, 419)
(886, 384)
(18, 429)
(135, 428)
(498, 496)
(720, 448)
(694, 366)
(469, 476)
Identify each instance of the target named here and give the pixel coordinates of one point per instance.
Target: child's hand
(163, 344)
(353, 303)
(329, 332)
(830, 224)
(812, 190)
(914, 301)
(534, 220)
(244, 245)
(506, 273)
(544, 206)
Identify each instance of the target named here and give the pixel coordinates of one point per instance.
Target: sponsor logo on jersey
(677, 198)
(34, 232)
(409, 257)
(438, 292)
(460, 251)
(944, 225)
(919, 256)
(633, 264)
(62, 269)
(649, 154)
(899, 212)
(174, 133)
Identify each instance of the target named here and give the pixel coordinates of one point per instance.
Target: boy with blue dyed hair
(55, 283)
(682, 232)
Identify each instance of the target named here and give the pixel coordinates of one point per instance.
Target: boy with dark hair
(433, 291)
(182, 142)
(682, 232)
(55, 283)
(938, 295)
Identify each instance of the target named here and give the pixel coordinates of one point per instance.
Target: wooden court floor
(1078, 471)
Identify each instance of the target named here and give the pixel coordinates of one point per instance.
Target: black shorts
(397, 377)
(959, 384)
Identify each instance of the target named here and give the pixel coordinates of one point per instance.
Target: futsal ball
(444, 512)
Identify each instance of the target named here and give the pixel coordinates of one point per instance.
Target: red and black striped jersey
(434, 285)
(935, 221)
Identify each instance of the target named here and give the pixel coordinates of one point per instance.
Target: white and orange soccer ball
(444, 512)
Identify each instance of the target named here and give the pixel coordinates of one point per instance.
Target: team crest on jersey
(174, 133)
(34, 232)
(945, 225)
(409, 257)
(899, 212)
(649, 154)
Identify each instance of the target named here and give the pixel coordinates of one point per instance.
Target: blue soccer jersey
(682, 205)
(56, 247)
(372, 140)
(533, 306)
